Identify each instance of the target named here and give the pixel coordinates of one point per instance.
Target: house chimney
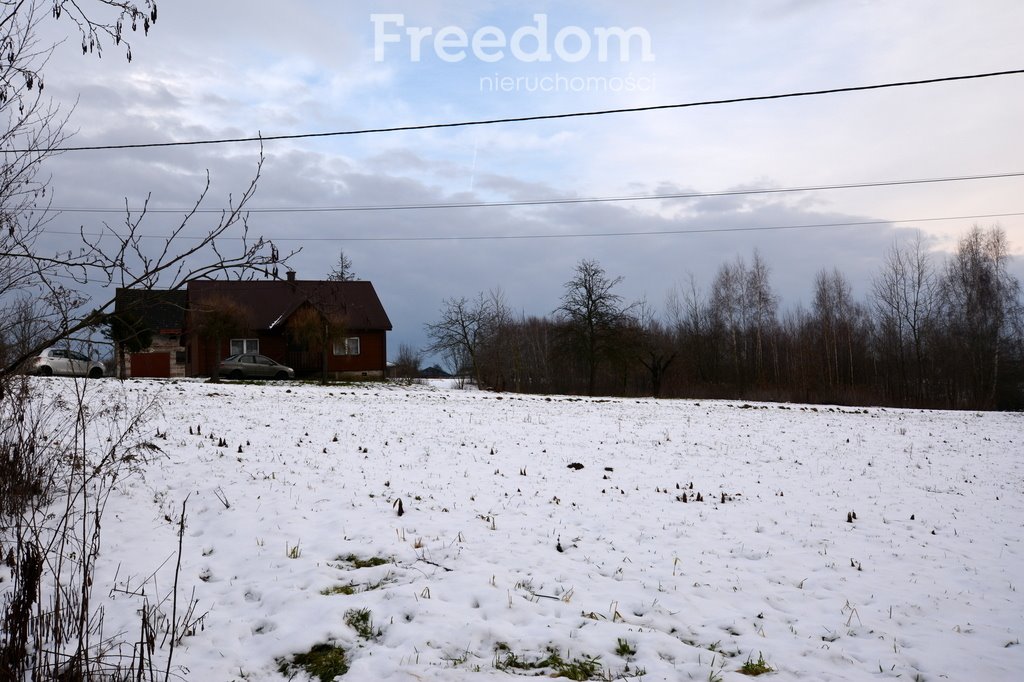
(291, 275)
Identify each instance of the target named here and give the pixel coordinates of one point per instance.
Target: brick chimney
(291, 275)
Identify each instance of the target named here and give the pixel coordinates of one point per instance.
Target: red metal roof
(270, 303)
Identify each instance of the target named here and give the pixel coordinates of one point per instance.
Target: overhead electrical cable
(579, 235)
(552, 202)
(523, 119)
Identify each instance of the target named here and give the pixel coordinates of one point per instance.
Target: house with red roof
(268, 317)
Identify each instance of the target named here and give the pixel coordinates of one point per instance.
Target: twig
(222, 496)
(428, 561)
(174, 601)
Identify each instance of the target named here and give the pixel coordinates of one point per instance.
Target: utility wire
(555, 202)
(524, 119)
(586, 235)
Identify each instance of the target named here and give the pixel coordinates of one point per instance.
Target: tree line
(931, 332)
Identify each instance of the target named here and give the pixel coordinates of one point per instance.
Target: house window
(239, 346)
(349, 346)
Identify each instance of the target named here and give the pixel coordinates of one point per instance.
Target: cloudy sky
(232, 68)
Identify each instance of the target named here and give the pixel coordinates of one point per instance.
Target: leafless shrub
(61, 457)
(407, 364)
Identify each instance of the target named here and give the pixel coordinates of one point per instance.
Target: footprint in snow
(263, 627)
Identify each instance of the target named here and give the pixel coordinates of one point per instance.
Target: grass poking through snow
(323, 662)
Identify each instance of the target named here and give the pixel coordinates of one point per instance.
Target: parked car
(67, 363)
(251, 366)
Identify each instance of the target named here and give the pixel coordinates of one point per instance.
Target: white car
(66, 362)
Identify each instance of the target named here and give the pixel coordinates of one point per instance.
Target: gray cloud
(233, 68)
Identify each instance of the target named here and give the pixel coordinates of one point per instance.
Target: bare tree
(831, 306)
(499, 356)
(408, 362)
(32, 127)
(656, 348)
(728, 309)
(129, 334)
(317, 330)
(20, 329)
(981, 301)
(593, 315)
(342, 270)
(96, 28)
(743, 311)
(118, 256)
(905, 299)
(51, 629)
(534, 340)
(217, 319)
(690, 316)
(461, 331)
(837, 318)
(762, 305)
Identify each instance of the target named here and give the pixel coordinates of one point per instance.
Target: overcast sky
(233, 68)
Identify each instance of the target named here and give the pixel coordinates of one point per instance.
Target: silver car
(67, 363)
(251, 366)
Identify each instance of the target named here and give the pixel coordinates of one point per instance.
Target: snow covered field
(506, 554)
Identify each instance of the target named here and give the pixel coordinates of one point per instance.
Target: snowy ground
(923, 584)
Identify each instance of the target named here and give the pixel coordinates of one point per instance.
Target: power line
(556, 202)
(588, 235)
(524, 119)
(648, 233)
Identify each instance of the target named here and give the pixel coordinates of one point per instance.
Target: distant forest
(932, 333)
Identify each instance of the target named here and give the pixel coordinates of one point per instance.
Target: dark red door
(151, 365)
